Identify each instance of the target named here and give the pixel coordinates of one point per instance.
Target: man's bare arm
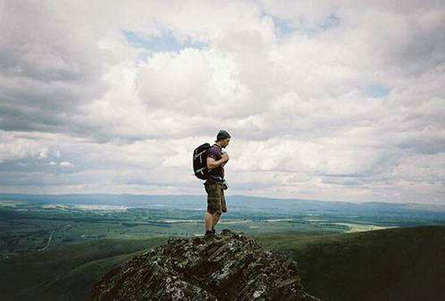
(212, 163)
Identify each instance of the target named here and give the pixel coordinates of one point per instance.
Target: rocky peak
(229, 266)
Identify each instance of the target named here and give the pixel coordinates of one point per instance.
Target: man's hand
(225, 157)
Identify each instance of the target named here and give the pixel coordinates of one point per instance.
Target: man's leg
(216, 217)
(208, 221)
(221, 205)
(213, 206)
(208, 217)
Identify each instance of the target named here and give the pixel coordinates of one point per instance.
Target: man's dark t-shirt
(217, 173)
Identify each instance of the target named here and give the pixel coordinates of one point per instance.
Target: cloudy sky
(329, 100)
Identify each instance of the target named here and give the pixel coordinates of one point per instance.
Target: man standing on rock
(215, 184)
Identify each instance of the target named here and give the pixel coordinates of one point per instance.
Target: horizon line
(235, 195)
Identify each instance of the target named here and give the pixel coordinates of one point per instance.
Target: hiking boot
(213, 231)
(209, 234)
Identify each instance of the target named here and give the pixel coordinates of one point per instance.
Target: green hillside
(67, 272)
(390, 264)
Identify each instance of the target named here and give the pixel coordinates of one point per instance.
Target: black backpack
(200, 161)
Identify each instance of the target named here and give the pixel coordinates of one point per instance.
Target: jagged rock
(230, 266)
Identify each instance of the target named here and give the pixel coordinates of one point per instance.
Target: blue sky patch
(331, 21)
(286, 27)
(283, 27)
(376, 91)
(166, 42)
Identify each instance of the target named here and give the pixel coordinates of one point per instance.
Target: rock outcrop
(229, 266)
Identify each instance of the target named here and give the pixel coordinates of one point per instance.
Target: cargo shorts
(216, 203)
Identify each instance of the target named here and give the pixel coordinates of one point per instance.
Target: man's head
(223, 138)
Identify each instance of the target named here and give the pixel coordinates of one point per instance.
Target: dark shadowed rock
(229, 266)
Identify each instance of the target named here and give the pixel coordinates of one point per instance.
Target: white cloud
(66, 164)
(16, 148)
(323, 100)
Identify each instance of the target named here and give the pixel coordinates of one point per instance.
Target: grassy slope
(66, 272)
(390, 264)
